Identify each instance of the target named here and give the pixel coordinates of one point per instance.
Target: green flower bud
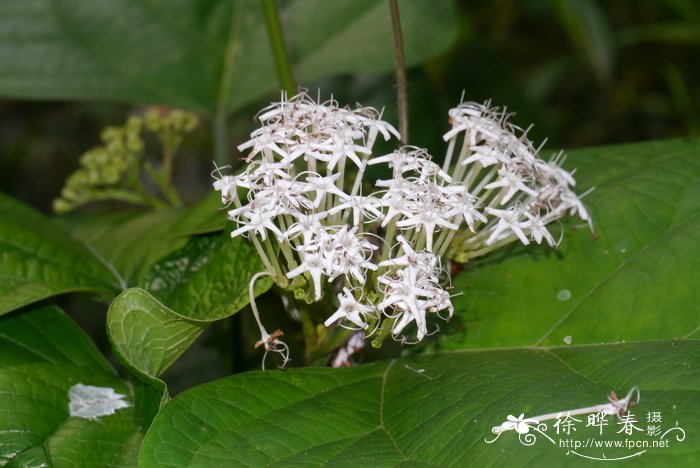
(61, 206)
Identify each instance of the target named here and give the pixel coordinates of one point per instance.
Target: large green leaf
(433, 410)
(39, 260)
(133, 242)
(208, 278)
(44, 354)
(205, 216)
(148, 337)
(211, 56)
(637, 280)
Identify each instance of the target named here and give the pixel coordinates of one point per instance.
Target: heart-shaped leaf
(635, 281)
(39, 260)
(44, 356)
(146, 334)
(435, 410)
(210, 56)
(148, 337)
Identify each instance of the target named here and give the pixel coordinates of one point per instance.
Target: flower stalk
(400, 66)
(278, 45)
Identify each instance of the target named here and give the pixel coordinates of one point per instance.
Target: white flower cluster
(300, 201)
(518, 193)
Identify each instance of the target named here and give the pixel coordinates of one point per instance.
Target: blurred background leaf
(589, 31)
(210, 56)
(579, 70)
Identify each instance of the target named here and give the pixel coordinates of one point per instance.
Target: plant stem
(279, 50)
(220, 139)
(309, 332)
(169, 150)
(400, 62)
(162, 177)
(382, 333)
(254, 307)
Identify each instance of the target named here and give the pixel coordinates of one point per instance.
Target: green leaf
(43, 355)
(635, 281)
(206, 216)
(348, 35)
(148, 337)
(39, 260)
(588, 28)
(209, 56)
(132, 242)
(208, 278)
(431, 410)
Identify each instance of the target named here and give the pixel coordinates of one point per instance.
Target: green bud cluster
(105, 170)
(112, 170)
(170, 125)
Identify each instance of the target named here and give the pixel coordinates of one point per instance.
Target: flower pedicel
(379, 255)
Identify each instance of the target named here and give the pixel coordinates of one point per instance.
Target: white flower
(353, 346)
(366, 208)
(426, 262)
(538, 229)
(314, 264)
(346, 253)
(464, 205)
(512, 182)
(90, 402)
(413, 291)
(508, 220)
(486, 156)
(332, 253)
(227, 186)
(403, 295)
(256, 221)
(300, 200)
(351, 310)
(396, 204)
(308, 225)
(429, 219)
(322, 186)
(412, 159)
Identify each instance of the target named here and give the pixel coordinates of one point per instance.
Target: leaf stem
(279, 50)
(400, 63)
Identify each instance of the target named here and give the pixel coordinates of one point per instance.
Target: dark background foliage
(584, 72)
